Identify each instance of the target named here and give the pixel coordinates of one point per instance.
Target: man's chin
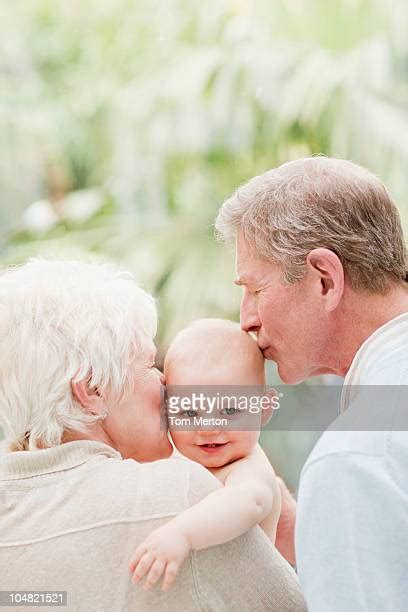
(289, 376)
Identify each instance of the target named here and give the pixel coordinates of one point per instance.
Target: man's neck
(361, 316)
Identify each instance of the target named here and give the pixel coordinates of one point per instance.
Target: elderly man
(321, 260)
(80, 406)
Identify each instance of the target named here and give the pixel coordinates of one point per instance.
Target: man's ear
(328, 272)
(273, 403)
(88, 397)
(266, 415)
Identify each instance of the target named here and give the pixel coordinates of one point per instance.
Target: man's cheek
(264, 315)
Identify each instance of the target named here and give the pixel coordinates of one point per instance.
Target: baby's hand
(162, 552)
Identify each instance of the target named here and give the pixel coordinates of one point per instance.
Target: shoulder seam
(108, 523)
(341, 453)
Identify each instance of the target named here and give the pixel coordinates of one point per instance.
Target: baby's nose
(209, 432)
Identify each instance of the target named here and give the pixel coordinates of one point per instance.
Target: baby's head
(214, 352)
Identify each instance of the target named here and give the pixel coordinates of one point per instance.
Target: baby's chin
(207, 461)
(214, 462)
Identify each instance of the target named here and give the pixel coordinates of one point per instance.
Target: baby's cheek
(246, 441)
(182, 441)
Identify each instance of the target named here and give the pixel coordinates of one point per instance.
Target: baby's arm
(256, 465)
(246, 499)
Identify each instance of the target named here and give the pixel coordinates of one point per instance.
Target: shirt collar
(374, 345)
(25, 464)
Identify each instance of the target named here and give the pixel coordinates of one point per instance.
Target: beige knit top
(71, 516)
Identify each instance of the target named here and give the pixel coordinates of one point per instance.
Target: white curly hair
(62, 321)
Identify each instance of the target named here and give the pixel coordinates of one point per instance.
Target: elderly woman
(79, 484)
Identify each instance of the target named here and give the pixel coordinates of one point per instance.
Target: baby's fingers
(170, 575)
(143, 567)
(156, 571)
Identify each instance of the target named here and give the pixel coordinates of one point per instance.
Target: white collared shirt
(352, 525)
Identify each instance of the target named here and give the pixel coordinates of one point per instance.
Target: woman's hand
(162, 552)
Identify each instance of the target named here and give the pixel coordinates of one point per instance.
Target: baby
(214, 352)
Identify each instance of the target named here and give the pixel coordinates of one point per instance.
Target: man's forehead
(247, 266)
(241, 270)
(248, 276)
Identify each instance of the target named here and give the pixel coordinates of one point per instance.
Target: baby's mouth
(212, 446)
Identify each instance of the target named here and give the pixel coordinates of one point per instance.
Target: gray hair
(320, 202)
(62, 321)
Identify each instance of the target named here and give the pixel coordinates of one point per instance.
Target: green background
(124, 124)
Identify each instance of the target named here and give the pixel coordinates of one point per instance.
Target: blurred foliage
(125, 123)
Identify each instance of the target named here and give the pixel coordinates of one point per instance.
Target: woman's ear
(89, 398)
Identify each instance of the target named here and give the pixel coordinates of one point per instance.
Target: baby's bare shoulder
(246, 464)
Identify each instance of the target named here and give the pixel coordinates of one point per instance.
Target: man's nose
(249, 314)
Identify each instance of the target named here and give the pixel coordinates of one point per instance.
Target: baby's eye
(230, 411)
(189, 413)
